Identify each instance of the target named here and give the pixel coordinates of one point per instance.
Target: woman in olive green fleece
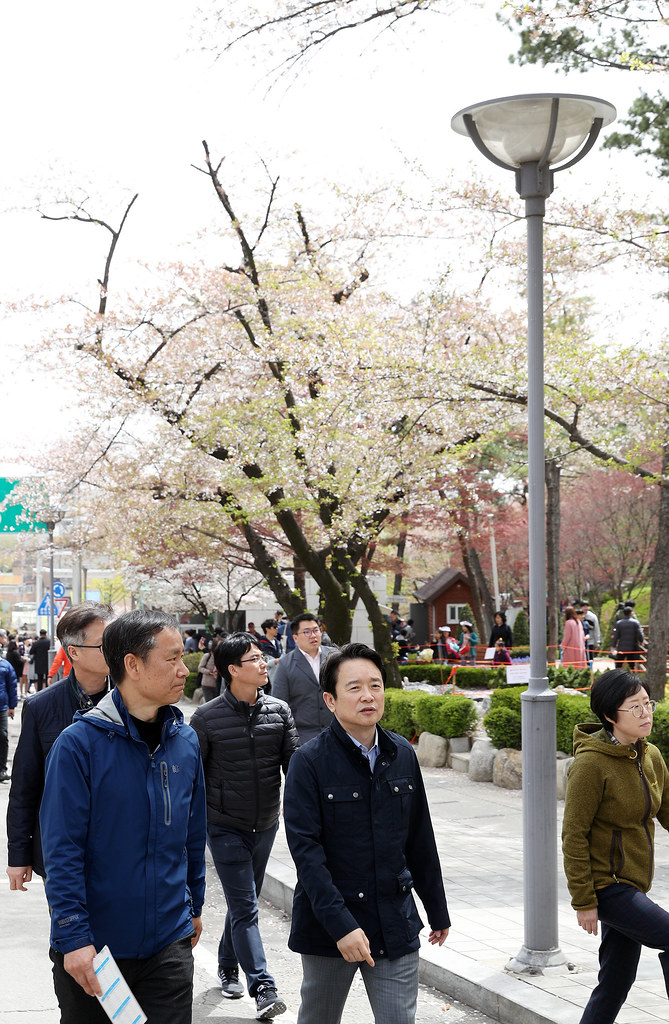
(618, 783)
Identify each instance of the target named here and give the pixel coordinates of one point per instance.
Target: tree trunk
(377, 620)
(473, 584)
(658, 626)
(487, 605)
(399, 575)
(552, 472)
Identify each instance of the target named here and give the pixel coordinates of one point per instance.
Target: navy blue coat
(43, 718)
(124, 833)
(360, 843)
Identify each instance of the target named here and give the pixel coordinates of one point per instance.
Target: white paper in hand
(116, 1000)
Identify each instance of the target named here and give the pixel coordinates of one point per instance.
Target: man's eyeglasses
(252, 661)
(639, 709)
(310, 632)
(88, 647)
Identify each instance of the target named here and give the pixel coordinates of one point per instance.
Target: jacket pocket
(616, 853)
(353, 891)
(401, 791)
(342, 804)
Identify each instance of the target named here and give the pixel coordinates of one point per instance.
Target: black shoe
(268, 1003)
(230, 985)
(4, 777)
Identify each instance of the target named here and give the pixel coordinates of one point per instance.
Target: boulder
(507, 769)
(432, 750)
(562, 769)
(481, 761)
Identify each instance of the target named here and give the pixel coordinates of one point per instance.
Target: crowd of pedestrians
(114, 798)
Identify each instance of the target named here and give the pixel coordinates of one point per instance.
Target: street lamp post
(530, 135)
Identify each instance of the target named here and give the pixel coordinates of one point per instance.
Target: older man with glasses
(296, 679)
(43, 718)
(247, 738)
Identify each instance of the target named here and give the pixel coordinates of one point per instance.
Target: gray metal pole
(51, 526)
(540, 950)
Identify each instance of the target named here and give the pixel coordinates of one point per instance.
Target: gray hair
(71, 629)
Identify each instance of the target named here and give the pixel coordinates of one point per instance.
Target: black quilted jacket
(244, 748)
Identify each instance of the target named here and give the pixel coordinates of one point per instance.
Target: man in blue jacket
(359, 830)
(123, 831)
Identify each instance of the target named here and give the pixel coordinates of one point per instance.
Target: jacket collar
(387, 744)
(112, 711)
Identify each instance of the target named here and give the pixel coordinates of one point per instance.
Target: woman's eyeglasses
(639, 709)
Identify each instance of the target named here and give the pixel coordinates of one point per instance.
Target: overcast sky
(111, 95)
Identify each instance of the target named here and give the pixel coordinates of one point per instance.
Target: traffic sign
(45, 606)
(61, 604)
(58, 589)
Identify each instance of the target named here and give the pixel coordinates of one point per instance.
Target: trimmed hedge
(467, 677)
(410, 712)
(191, 661)
(503, 721)
(570, 711)
(660, 734)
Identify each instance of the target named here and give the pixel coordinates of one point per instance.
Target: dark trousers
(4, 739)
(240, 859)
(162, 985)
(629, 920)
(40, 680)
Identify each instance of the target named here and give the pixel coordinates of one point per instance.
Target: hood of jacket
(111, 713)
(591, 737)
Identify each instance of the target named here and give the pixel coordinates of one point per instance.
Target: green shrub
(660, 733)
(445, 716)
(573, 678)
(503, 727)
(570, 711)
(466, 678)
(521, 629)
(409, 712)
(191, 661)
(503, 721)
(399, 712)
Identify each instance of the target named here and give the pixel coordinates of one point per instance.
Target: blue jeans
(240, 859)
(629, 921)
(392, 988)
(162, 985)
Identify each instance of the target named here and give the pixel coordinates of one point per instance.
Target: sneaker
(268, 1003)
(230, 985)
(4, 777)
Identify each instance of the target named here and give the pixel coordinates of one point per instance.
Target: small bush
(409, 712)
(570, 711)
(191, 661)
(445, 716)
(399, 712)
(503, 727)
(660, 733)
(521, 629)
(466, 677)
(573, 678)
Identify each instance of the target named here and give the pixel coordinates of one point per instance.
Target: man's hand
(10, 712)
(588, 920)
(79, 964)
(197, 928)
(438, 937)
(354, 947)
(17, 876)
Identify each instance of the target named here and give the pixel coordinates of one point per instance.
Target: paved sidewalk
(479, 835)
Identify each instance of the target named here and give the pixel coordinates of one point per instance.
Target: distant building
(445, 595)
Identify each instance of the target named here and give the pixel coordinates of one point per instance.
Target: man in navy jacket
(359, 831)
(43, 718)
(123, 822)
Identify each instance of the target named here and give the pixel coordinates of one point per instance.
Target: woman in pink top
(573, 641)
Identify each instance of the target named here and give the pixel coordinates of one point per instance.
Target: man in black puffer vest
(246, 737)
